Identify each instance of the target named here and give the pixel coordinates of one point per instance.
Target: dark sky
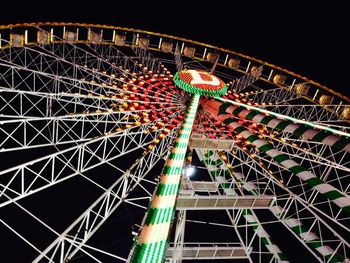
(311, 40)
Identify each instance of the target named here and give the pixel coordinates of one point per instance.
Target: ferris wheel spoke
(240, 84)
(27, 104)
(221, 174)
(116, 59)
(20, 78)
(273, 96)
(38, 132)
(130, 65)
(34, 176)
(178, 59)
(85, 246)
(312, 197)
(316, 113)
(340, 199)
(80, 62)
(144, 55)
(48, 63)
(100, 65)
(83, 228)
(21, 236)
(298, 127)
(285, 211)
(72, 72)
(327, 170)
(53, 130)
(313, 154)
(76, 89)
(296, 188)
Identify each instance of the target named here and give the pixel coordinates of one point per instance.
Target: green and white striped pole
(151, 244)
(222, 174)
(331, 193)
(310, 238)
(289, 126)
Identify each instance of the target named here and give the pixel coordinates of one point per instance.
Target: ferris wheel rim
(141, 31)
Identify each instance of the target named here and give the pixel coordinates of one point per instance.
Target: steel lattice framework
(92, 124)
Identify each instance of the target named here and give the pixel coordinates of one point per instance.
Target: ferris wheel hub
(200, 82)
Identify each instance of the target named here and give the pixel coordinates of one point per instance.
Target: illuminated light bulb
(189, 171)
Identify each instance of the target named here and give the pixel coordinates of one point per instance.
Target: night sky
(310, 40)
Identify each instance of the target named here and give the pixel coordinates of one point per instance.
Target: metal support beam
(199, 142)
(199, 186)
(218, 202)
(203, 251)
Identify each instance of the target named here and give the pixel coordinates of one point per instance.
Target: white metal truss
(290, 204)
(274, 96)
(73, 239)
(245, 81)
(178, 59)
(326, 115)
(73, 161)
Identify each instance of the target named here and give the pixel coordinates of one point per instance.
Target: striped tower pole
(300, 130)
(215, 165)
(296, 226)
(331, 193)
(151, 244)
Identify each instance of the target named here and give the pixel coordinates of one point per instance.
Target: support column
(151, 243)
(179, 237)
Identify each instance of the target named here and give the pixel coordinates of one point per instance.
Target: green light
(152, 247)
(202, 92)
(311, 124)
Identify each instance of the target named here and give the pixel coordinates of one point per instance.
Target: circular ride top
(98, 138)
(200, 82)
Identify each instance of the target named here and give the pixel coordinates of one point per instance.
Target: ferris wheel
(123, 145)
